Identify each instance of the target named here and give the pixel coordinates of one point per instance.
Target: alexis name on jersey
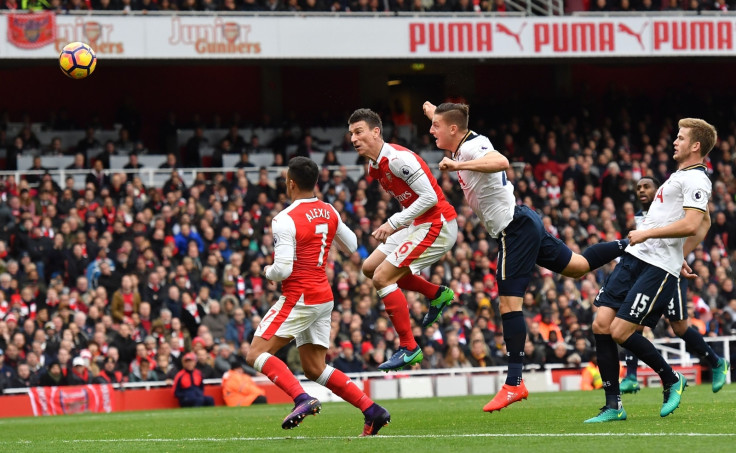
(317, 213)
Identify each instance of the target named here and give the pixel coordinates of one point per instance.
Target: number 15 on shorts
(640, 304)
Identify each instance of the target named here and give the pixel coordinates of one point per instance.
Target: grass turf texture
(545, 422)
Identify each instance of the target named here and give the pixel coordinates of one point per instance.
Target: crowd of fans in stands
(365, 6)
(113, 281)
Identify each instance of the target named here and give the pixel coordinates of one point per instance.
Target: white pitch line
(436, 436)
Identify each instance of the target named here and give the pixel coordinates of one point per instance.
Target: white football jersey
(688, 188)
(490, 195)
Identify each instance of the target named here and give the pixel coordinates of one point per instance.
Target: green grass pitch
(545, 422)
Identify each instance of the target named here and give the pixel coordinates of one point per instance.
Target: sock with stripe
(279, 374)
(397, 309)
(344, 387)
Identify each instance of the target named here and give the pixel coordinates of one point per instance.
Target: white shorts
(305, 323)
(419, 246)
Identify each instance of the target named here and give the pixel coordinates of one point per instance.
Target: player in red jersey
(412, 239)
(302, 235)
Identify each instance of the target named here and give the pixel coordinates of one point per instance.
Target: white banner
(341, 37)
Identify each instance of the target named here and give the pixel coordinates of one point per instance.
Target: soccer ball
(77, 60)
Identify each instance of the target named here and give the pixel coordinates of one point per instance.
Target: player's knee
(679, 327)
(312, 372)
(252, 356)
(368, 272)
(620, 332)
(601, 328)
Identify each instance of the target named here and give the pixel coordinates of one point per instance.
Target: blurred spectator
(348, 361)
(189, 385)
(238, 389)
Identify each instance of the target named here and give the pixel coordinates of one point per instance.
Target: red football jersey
(312, 225)
(397, 168)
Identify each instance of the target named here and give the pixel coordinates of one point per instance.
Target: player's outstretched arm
(491, 162)
(685, 227)
(429, 109)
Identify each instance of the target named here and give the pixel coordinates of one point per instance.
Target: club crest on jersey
(389, 177)
(405, 170)
(698, 196)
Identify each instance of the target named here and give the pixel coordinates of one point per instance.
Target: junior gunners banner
(71, 400)
(345, 37)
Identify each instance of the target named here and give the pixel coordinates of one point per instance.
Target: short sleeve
(696, 192)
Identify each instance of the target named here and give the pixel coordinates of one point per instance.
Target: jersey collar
(700, 167)
(467, 137)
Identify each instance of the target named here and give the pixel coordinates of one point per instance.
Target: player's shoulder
(477, 142)
(399, 158)
(694, 174)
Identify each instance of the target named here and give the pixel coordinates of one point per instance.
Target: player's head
(695, 136)
(303, 172)
(646, 188)
(371, 118)
(450, 124)
(366, 132)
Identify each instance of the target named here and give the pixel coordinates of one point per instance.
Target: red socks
(279, 374)
(416, 283)
(345, 388)
(397, 309)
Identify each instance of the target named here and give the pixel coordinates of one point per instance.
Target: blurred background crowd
(112, 281)
(362, 6)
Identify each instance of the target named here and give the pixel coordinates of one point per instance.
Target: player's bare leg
(514, 334)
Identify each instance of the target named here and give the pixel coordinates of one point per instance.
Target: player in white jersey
(644, 282)
(523, 241)
(676, 312)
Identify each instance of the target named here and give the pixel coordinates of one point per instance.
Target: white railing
(156, 177)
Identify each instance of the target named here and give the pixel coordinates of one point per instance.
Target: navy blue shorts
(638, 291)
(522, 245)
(677, 308)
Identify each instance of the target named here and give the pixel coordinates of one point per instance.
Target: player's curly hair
(700, 131)
(452, 113)
(371, 118)
(304, 172)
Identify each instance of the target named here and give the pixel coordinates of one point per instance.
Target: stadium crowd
(115, 282)
(360, 6)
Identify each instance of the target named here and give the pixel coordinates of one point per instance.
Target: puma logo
(623, 28)
(501, 28)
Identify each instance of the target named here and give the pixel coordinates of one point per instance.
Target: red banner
(71, 400)
(31, 31)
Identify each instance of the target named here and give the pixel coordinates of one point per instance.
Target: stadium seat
(540, 382)
(570, 382)
(415, 387)
(483, 384)
(451, 385)
(384, 389)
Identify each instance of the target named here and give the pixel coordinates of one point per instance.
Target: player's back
(315, 224)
